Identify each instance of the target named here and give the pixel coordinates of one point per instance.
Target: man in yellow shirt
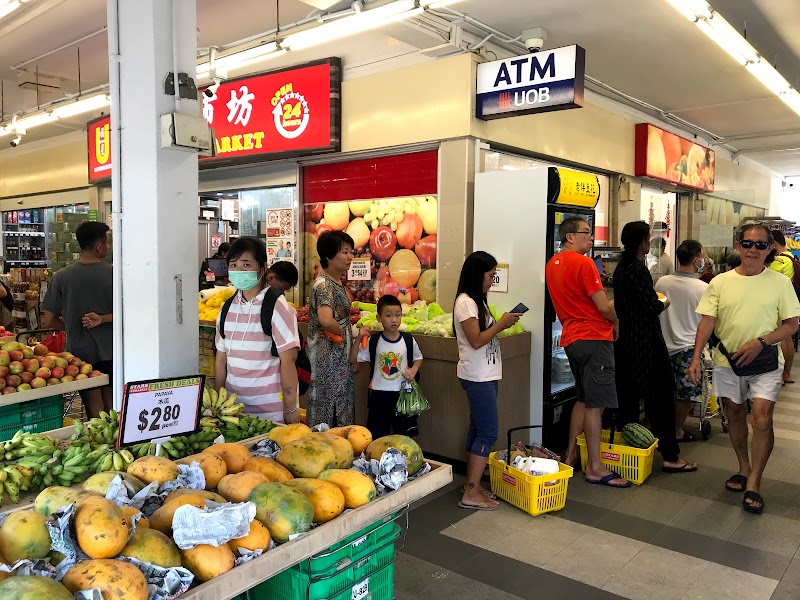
(784, 263)
(743, 306)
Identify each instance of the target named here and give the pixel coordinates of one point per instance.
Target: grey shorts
(592, 364)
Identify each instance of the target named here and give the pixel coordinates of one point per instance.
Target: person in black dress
(640, 351)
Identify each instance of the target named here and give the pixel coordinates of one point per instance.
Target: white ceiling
(641, 47)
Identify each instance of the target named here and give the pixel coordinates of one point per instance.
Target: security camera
(16, 141)
(212, 89)
(534, 39)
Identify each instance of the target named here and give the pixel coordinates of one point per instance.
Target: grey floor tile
(707, 482)
(539, 541)
(438, 549)
(597, 495)
(792, 473)
(769, 532)
(581, 512)
(709, 517)
(656, 574)
(594, 558)
(486, 528)
(789, 585)
(635, 528)
(655, 504)
(724, 583)
(781, 499)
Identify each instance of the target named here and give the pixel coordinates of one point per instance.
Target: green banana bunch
(219, 408)
(144, 449)
(25, 444)
(64, 468)
(202, 439)
(247, 427)
(99, 430)
(13, 479)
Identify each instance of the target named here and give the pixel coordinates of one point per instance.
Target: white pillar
(154, 192)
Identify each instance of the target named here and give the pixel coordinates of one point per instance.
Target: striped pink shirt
(253, 373)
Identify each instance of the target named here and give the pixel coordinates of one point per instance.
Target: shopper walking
(79, 301)
(743, 306)
(641, 349)
(679, 327)
(589, 328)
(664, 264)
(331, 397)
(480, 369)
(784, 263)
(265, 384)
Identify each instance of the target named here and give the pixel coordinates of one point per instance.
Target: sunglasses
(747, 244)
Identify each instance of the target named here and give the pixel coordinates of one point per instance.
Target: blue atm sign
(539, 82)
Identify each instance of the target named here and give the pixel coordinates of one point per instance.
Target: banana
(227, 419)
(3, 476)
(126, 456)
(213, 393)
(12, 490)
(222, 397)
(118, 462)
(77, 469)
(66, 475)
(107, 464)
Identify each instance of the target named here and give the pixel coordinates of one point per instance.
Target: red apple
(27, 352)
(32, 366)
(382, 243)
(38, 382)
(16, 355)
(75, 361)
(81, 376)
(23, 387)
(15, 368)
(26, 377)
(5, 359)
(57, 372)
(3, 372)
(47, 362)
(53, 381)
(86, 368)
(425, 250)
(40, 350)
(44, 373)
(67, 379)
(2, 383)
(409, 231)
(13, 380)
(9, 390)
(323, 228)
(72, 370)
(95, 373)
(313, 212)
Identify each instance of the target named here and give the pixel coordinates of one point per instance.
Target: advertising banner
(99, 141)
(669, 157)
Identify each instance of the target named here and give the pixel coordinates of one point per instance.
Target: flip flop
(489, 493)
(754, 497)
(687, 437)
(736, 479)
(487, 507)
(608, 479)
(687, 468)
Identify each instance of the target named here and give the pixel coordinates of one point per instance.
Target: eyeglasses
(747, 244)
(584, 232)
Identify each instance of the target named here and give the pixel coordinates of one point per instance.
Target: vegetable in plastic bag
(412, 402)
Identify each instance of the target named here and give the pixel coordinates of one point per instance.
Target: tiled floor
(676, 537)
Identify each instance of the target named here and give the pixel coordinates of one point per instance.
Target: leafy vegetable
(412, 402)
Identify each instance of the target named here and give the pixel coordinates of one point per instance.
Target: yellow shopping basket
(535, 494)
(634, 464)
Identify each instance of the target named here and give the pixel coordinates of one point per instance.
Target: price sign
(160, 408)
(361, 590)
(360, 269)
(500, 279)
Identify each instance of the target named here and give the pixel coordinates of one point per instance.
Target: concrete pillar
(154, 194)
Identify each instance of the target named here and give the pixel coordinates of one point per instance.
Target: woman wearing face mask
(645, 371)
(266, 384)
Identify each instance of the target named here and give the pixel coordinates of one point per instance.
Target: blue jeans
(482, 434)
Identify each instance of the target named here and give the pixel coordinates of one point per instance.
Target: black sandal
(736, 479)
(687, 437)
(757, 499)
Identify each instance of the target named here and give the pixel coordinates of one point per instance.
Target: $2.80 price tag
(160, 409)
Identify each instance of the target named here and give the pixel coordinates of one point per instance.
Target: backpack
(302, 362)
(373, 347)
(796, 265)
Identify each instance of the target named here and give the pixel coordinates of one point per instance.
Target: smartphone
(519, 308)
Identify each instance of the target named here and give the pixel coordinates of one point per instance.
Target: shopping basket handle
(23, 334)
(508, 448)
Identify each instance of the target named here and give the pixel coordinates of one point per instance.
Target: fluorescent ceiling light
(437, 3)
(35, 120)
(730, 39)
(352, 24)
(9, 7)
(792, 100)
(240, 59)
(82, 106)
(712, 33)
(692, 9)
(769, 76)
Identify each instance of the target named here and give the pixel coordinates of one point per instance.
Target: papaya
(99, 482)
(258, 538)
(288, 433)
(405, 444)
(114, 578)
(206, 562)
(326, 498)
(358, 489)
(6, 574)
(234, 455)
(341, 447)
(153, 468)
(151, 546)
(33, 587)
(205, 494)
(273, 470)
(129, 512)
(214, 468)
(237, 487)
(161, 520)
(24, 535)
(359, 437)
(307, 457)
(283, 510)
(100, 527)
(53, 498)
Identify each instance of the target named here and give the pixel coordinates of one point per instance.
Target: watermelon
(637, 436)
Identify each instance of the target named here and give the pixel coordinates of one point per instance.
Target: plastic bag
(55, 341)
(411, 400)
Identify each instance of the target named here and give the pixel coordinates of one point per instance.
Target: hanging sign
(160, 408)
(500, 279)
(360, 269)
(573, 188)
(281, 113)
(663, 155)
(538, 82)
(99, 140)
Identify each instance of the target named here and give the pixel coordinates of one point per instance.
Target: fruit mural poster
(666, 156)
(395, 245)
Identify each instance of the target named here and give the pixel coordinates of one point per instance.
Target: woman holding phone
(480, 369)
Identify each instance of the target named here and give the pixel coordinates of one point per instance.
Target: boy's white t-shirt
(390, 362)
(485, 363)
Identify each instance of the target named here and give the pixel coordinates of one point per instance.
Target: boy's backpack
(373, 346)
(796, 265)
(302, 362)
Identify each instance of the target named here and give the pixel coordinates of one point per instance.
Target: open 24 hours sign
(283, 113)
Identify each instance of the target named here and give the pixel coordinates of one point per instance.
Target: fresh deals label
(500, 279)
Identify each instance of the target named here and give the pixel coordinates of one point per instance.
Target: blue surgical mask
(702, 265)
(244, 280)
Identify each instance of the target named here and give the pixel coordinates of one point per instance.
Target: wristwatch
(763, 342)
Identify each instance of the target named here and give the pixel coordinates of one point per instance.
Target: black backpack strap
(267, 308)
(409, 340)
(223, 314)
(373, 347)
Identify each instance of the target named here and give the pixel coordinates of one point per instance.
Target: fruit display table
(54, 390)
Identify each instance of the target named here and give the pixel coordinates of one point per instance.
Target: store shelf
(26, 233)
(560, 387)
(54, 390)
(27, 262)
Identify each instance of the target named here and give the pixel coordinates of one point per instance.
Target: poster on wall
(395, 245)
(280, 235)
(663, 155)
(98, 133)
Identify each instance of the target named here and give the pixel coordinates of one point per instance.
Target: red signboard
(99, 134)
(289, 113)
(666, 156)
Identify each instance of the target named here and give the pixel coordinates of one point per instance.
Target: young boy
(282, 275)
(391, 369)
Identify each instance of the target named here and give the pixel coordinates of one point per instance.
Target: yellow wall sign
(572, 188)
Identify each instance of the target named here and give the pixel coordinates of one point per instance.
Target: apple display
(44, 373)
(425, 249)
(2, 383)
(15, 368)
(409, 231)
(67, 379)
(32, 366)
(322, 228)
(27, 352)
(86, 368)
(404, 267)
(53, 381)
(313, 212)
(95, 373)
(26, 376)
(75, 361)
(13, 380)
(4, 372)
(57, 372)
(9, 390)
(427, 286)
(23, 387)
(72, 370)
(81, 376)
(61, 362)
(382, 243)
(358, 230)
(16, 355)
(47, 362)
(40, 350)
(337, 215)
(38, 382)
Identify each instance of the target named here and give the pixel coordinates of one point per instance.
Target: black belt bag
(766, 361)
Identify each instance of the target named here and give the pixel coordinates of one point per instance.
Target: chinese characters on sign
(574, 188)
(360, 269)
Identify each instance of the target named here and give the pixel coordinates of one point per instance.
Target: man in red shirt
(589, 330)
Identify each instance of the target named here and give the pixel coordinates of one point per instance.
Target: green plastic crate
(37, 416)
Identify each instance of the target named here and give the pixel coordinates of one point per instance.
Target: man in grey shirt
(79, 301)
(664, 265)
